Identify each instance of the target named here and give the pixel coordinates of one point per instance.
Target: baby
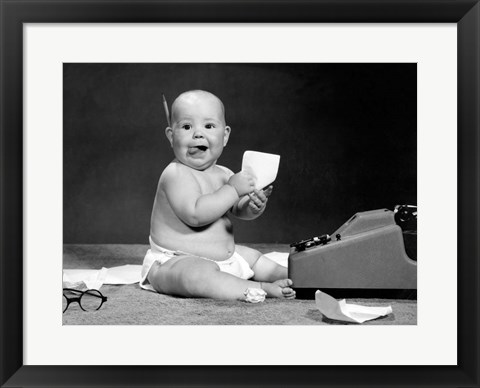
(192, 250)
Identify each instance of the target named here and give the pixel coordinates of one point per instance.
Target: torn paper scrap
(79, 279)
(124, 274)
(94, 279)
(263, 167)
(342, 311)
(281, 258)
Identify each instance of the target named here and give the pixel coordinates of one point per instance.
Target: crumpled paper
(255, 295)
(263, 167)
(343, 311)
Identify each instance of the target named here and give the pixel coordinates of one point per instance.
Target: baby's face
(198, 132)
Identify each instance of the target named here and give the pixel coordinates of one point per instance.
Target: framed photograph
(367, 103)
(361, 118)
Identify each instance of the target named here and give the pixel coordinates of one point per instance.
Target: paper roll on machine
(372, 254)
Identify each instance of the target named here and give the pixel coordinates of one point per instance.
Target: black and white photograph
(239, 194)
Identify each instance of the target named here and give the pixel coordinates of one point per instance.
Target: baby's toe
(290, 296)
(284, 283)
(288, 293)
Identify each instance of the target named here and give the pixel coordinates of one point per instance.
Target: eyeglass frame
(77, 299)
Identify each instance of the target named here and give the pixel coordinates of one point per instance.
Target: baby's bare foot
(279, 289)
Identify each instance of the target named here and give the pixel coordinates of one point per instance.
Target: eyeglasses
(89, 300)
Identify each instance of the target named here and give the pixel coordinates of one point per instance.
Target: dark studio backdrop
(346, 133)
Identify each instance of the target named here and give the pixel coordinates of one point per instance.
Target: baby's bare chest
(209, 182)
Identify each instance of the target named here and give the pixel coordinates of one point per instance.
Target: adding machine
(374, 251)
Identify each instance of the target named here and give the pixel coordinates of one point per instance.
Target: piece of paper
(342, 311)
(281, 258)
(124, 274)
(263, 167)
(84, 279)
(93, 279)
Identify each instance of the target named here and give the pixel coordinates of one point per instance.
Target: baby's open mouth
(197, 150)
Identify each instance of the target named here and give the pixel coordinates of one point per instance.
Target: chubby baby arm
(196, 209)
(252, 205)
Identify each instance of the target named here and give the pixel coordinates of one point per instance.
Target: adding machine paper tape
(263, 166)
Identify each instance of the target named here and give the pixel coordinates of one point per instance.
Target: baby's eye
(186, 126)
(210, 126)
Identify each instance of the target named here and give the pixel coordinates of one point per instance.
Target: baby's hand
(258, 199)
(242, 182)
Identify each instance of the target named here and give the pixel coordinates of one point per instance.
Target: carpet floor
(131, 305)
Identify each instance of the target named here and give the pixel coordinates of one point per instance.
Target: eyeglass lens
(91, 300)
(64, 303)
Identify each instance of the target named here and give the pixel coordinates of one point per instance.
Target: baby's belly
(214, 242)
(218, 251)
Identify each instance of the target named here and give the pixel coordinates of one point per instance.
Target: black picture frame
(465, 13)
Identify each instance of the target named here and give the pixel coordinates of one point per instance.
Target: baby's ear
(226, 135)
(169, 134)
